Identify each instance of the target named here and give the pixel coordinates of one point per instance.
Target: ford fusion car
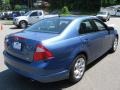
(59, 48)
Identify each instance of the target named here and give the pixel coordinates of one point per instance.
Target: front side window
(34, 14)
(51, 25)
(99, 25)
(86, 27)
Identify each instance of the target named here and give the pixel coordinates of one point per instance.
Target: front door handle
(85, 40)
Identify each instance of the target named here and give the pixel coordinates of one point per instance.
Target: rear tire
(77, 69)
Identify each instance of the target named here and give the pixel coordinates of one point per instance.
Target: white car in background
(30, 17)
(104, 15)
(117, 12)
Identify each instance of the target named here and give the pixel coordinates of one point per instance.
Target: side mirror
(110, 28)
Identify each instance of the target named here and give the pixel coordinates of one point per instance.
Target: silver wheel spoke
(79, 68)
(115, 44)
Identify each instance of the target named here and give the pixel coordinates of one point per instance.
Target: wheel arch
(23, 20)
(79, 53)
(83, 53)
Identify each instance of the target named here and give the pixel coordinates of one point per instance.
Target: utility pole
(101, 3)
(31, 1)
(28, 4)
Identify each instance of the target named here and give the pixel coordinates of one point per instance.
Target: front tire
(23, 24)
(114, 46)
(78, 69)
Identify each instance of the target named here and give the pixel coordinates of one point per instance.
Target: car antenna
(59, 14)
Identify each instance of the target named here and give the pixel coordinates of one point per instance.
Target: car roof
(73, 17)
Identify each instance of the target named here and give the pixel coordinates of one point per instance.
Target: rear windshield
(51, 25)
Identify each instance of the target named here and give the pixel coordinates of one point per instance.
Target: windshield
(51, 25)
(28, 13)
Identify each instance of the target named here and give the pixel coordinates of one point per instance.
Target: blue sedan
(59, 48)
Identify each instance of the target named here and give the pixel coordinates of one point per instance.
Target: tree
(6, 5)
(81, 5)
(7, 1)
(105, 3)
(1, 4)
(18, 7)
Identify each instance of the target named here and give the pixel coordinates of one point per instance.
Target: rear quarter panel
(66, 46)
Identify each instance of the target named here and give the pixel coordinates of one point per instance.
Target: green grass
(6, 22)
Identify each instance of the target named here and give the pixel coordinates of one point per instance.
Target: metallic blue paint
(65, 47)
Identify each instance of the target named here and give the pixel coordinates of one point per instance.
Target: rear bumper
(37, 71)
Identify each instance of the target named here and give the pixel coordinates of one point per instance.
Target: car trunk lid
(23, 44)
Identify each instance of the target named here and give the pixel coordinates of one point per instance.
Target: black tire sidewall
(21, 22)
(112, 49)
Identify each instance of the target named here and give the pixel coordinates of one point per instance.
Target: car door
(34, 17)
(118, 13)
(91, 38)
(106, 35)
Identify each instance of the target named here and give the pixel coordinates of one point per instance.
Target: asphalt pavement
(103, 74)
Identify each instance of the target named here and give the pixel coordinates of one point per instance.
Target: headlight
(15, 19)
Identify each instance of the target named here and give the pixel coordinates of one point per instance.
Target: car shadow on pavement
(14, 27)
(12, 81)
(97, 61)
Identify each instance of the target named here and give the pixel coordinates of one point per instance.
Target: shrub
(65, 11)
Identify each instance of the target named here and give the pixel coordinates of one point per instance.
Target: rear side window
(99, 25)
(40, 13)
(86, 27)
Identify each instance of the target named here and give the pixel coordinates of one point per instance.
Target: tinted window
(34, 14)
(40, 13)
(51, 25)
(99, 25)
(118, 10)
(86, 27)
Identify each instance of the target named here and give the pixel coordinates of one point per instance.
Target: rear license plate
(17, 45)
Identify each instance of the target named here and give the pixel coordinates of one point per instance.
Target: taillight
(42, 53)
